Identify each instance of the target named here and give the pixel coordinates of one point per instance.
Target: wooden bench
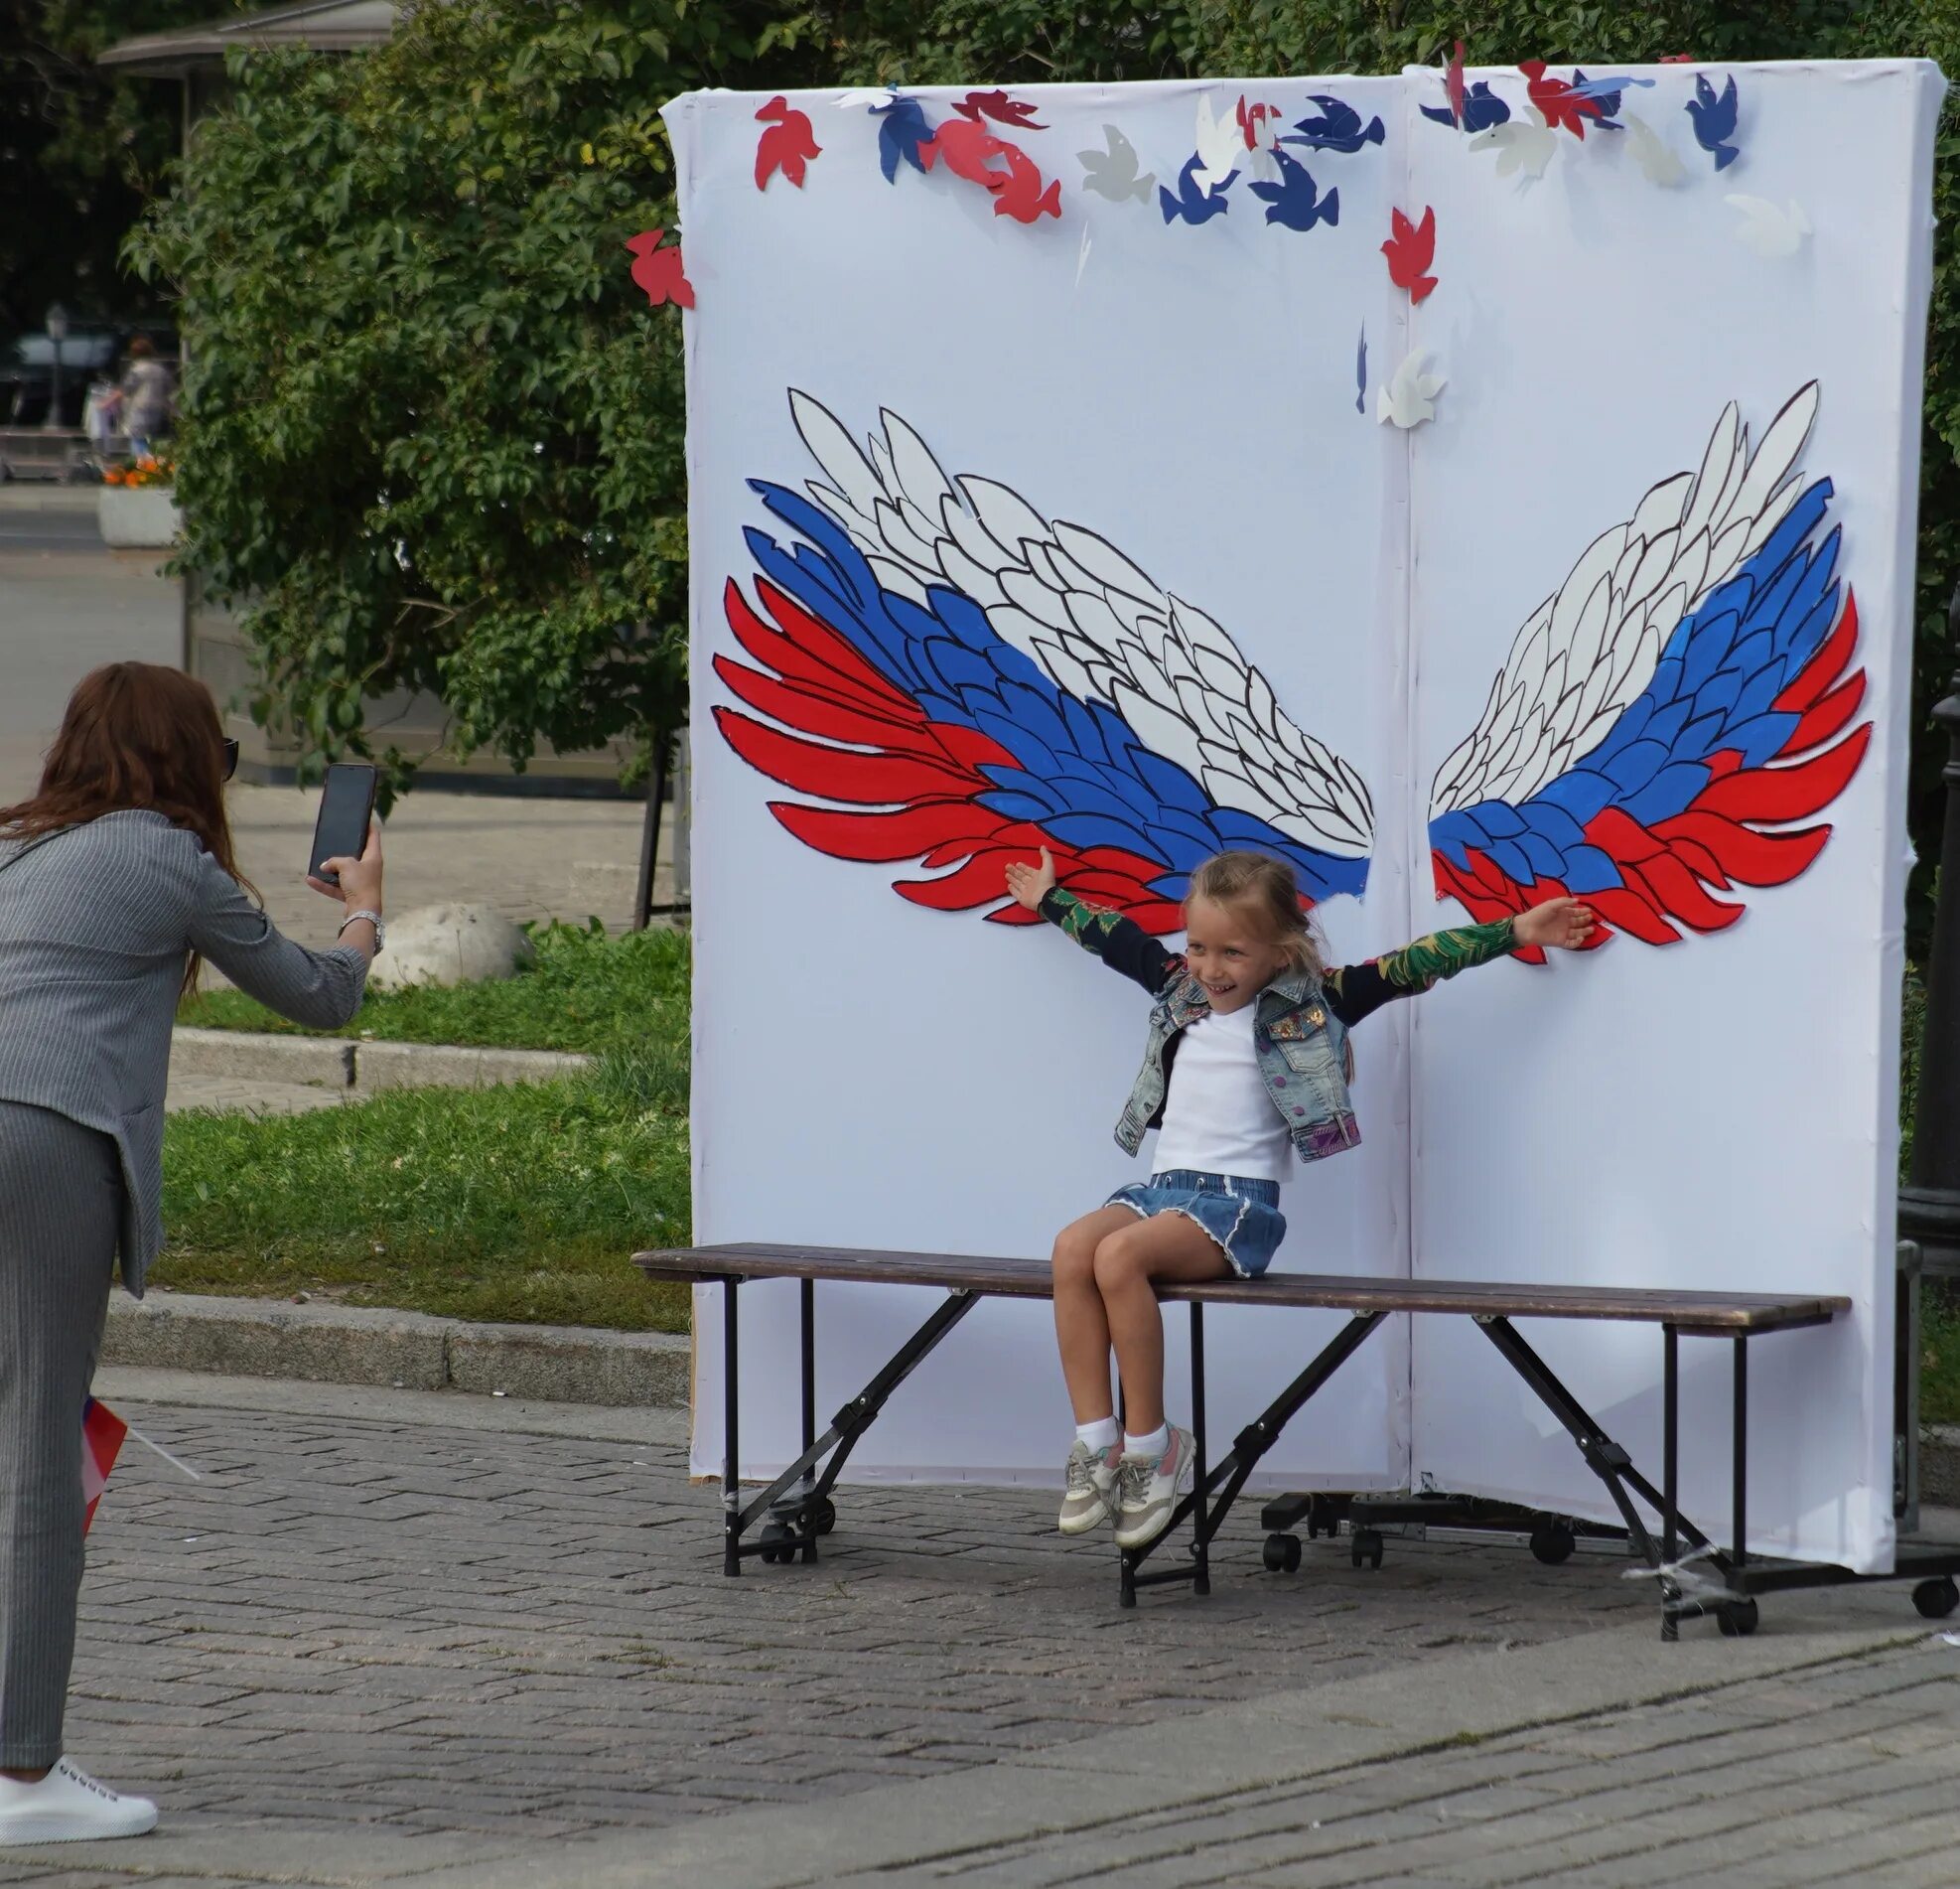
(797, 1508)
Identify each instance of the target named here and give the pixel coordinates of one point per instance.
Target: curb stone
(350, 1063)
(358, 1345)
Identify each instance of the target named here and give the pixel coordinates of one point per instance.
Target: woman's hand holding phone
(360, 879)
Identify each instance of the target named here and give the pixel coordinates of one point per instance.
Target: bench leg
(731, 1431)
(1610, 1462)
(811, 1510)
(1229, 1477)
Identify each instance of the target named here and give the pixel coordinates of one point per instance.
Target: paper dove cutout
(1293, 198)
(1221, 148)
(1772, 232)
(1259, 127)
(660, 272)
(1410, 249)
(1113, 173)
(1522, 146)
(903, 131)
(1361, 373)
(1715, 119)
(872, 96)
(1191, 203)
(1410, 396)
(1657, 160)
(788, 146)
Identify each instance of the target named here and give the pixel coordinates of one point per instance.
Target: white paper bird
(1113, 173)
(1409, 398)
(865, 96)
(1772, 232)
(1522, 146)
(1656, 159)
(1220, 146)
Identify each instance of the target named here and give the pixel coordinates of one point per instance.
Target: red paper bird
(1564, 108)
(998, 106)
(1452, 83)
(968, 148)
(658, 271)
(1675, 58)
(787, 146)
(1410, 249)
(1021, 195)
(1250, 117)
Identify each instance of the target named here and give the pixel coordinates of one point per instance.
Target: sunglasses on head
(231, 757)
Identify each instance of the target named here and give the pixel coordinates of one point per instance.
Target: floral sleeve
(1357, 990)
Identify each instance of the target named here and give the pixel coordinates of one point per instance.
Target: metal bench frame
(796, 1509)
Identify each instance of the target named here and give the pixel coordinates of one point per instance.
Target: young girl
(1247, 1061)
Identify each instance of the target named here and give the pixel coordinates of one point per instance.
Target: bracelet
(373, 917)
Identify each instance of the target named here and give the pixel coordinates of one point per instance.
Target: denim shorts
(1243, 1216)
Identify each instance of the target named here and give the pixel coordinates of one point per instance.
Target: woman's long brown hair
(135, 735)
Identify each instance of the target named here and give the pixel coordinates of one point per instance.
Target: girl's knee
(1074, 1257)
(1119, 1260)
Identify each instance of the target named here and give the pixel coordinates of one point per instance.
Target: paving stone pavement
(392, 1636)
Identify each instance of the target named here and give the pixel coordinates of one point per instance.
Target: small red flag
(102, 1432)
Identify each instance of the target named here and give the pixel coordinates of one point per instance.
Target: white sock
(1100, 1434)
(1155, 1444)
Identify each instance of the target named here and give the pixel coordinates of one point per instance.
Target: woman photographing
(116, 879)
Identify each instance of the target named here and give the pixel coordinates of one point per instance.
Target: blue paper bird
(902, 129)
(1361, 373)
(1191, 205)
(1338, 129)
(1483, 109)
(1294, 199)
(1714, 120)
(1604, 95)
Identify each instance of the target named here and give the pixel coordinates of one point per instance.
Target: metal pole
(1929, 1206)
(650, 834)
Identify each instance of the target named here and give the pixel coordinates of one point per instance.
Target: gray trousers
(61, 1195)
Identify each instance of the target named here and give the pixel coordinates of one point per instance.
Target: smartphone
(346, 808)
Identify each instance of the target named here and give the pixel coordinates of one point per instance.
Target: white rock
(450, 944)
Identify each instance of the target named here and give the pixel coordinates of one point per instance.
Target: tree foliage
(436, 435)
(429, 441)
(81, 152)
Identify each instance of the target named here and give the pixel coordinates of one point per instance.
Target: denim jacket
(1298, 1031)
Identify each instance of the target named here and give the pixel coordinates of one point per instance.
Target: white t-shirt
(1218, 1117)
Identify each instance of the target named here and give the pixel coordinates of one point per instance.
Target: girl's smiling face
(1229, 954)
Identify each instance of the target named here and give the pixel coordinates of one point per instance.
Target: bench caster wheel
(1737, 1619)
(1282, 1553)
(779, 1542)
(1313, 1525)
(822, 1517)
(1552, 1543)
(1366, 1548)
(1937, 1599)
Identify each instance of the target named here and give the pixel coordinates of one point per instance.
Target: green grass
(518, 1204)
(585, 992)
(1939, 1353)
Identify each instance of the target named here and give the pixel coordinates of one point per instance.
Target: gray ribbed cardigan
(94, 925)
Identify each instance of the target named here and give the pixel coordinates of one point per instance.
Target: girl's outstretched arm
(1357, 990)
(1122, 944)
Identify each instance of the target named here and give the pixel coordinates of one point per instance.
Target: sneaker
(69, 1806)
(1149, 1489)
(1091, 1497)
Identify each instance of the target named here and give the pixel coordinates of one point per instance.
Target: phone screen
(345, 808)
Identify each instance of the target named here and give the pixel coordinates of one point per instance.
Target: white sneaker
(1149, 1489)
(1092, 1492)
(69, 1806)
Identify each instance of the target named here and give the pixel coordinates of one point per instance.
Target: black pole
(1929, 1206)
(650, 834)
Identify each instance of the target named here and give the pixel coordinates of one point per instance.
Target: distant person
(148, 393)
(115, 879)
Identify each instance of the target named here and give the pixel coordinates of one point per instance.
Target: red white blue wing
(943, 676)
(1671, 723)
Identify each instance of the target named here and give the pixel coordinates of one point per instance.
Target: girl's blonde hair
(1266, 887)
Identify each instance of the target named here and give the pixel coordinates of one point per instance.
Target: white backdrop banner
(1465, 488)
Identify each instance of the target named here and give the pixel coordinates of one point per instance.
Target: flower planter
(138, 516)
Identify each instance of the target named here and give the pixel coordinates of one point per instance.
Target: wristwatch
(373, 918)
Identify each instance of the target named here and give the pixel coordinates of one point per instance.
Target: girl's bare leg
(1164, 1246)
(1080, 1329)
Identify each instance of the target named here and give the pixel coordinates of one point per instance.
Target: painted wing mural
(947, 678)
(1670, 723)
